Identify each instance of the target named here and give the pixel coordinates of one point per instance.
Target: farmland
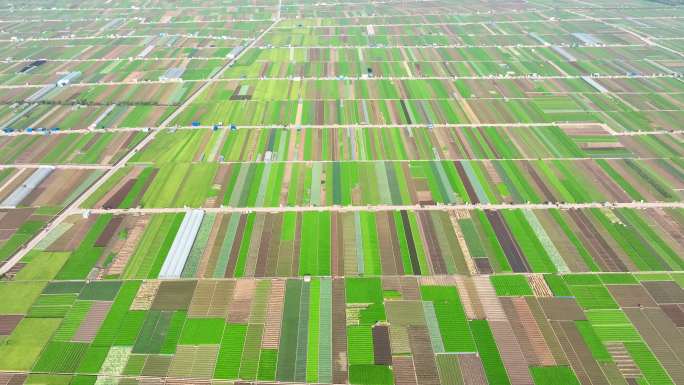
(377, 243)
(360, 330)
(436, 192)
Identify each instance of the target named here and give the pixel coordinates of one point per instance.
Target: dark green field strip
(430, 320)
(511, 285)
(323, 243)
(392, 183)
(491, 359)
